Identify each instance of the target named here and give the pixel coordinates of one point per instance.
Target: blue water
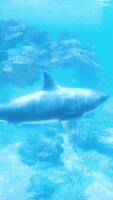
(73, 41)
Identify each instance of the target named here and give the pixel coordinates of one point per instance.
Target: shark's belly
(32, 111)
(49, 107)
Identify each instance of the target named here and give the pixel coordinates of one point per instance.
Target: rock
(11, 34)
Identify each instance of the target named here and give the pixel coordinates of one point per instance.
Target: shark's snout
(96, 99)
(102, 97)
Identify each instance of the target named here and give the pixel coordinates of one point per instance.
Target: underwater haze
(73, 41)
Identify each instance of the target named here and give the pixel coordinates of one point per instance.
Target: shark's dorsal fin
(49, 83)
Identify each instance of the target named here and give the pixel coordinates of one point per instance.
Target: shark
(52, 102)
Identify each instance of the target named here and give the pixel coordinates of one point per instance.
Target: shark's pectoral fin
(70, 128)
(73, 131)
(49, 83)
